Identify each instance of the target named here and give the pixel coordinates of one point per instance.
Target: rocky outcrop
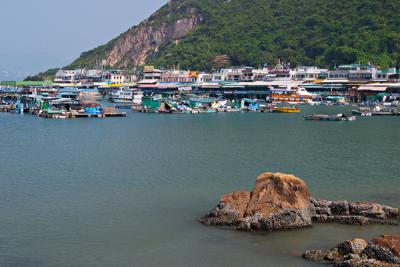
(356, 213)
(230, 211)
(140, 42)
(281, 201)
(382, 251)
(277, 202)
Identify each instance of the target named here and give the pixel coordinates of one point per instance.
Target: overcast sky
(39, 34)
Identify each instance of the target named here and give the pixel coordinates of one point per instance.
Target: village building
(178, 76)
(69, 76)
(308, 73)
(150, 73)
(388, 74)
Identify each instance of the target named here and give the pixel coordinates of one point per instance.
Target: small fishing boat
(323, 117)
(287, 109)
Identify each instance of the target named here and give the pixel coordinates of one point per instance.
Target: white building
(150, 73)
(308, 73)
(69, 76)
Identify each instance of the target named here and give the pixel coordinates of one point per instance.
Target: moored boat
(122, 95)
(293, 109)
(362, 113)
(324, 117)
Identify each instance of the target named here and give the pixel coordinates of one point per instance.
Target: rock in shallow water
(277, 202)
(282, 201)
(383, 251)
(355, 213)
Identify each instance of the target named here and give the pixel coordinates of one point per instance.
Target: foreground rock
(356, 213)
(278, 201)
(382, 251)
(281, 201)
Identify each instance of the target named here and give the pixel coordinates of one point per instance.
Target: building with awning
(370, 91)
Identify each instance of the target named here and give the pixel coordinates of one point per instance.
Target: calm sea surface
(129, 191)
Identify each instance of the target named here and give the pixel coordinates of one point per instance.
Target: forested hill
(191, 33)
(321, 32)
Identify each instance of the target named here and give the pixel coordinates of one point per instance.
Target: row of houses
(151, 75)
(350, 72)
(83, 76)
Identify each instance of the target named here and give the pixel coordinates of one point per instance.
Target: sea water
(129, 191)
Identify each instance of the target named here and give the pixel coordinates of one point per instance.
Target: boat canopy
(376, 88)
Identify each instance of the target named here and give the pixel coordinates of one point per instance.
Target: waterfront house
(388, 74)
(218, 77)
(116, 77)
(259, 74)
(178, 76)
(308, 73)
(278, 75)
(234, 75)
(204, 78)
(150, 73)
(354, 72)
(338, 74)
(69, 76)
(247, 75)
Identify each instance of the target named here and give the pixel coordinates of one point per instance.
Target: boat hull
(287, 110)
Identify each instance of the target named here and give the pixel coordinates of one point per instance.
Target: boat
(122, 95)
(137, 97)
(285, 96)
(304, 94)
(312, 102)
(286, 109)
(323, 117)
(361, 112)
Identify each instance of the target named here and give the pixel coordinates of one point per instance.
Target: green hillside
(254, 32)
(322, 32)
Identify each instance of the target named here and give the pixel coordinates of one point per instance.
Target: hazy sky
(39, 34)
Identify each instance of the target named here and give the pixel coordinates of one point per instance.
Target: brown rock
(371, 210)
(391, 242)
(274, 192)
(238, 201)
(354, 246)
(278, 202)
(354, 213)
(281, 201)
(315, 255)
(380, 252)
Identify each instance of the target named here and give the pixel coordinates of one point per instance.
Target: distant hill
(194, 33)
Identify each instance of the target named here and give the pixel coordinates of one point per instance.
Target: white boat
(303, 92)
(312, 102)
(137, 97)
(123, 95)
(310, 98)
